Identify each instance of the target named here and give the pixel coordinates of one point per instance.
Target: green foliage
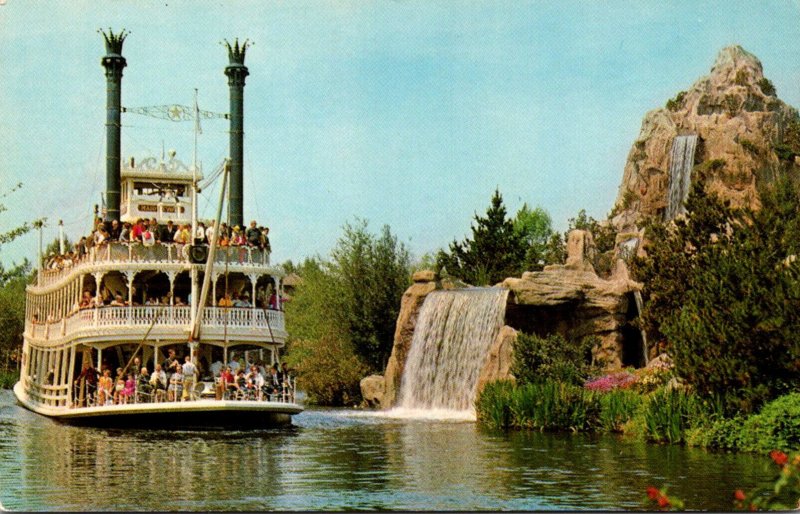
(668, 413)
(788, 147)
(777, 426)
(538, 359)
(534, 227)
(8, 378)
(618, 407)
(766, 87)
(374, 272)
(706, 169)
(349, 303)
(722, 288)
(749, 146)
(674, 104)
(328, 369)
(551, 405)
(741, 78)
(496, 250)
(493, 404)
(12, 306)
(732, 104)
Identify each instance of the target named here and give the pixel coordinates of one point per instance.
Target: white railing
(158, 253)
(143, 316)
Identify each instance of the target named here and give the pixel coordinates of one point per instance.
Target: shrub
(749, 146)
(328, 370)
(8, 379)
(766, 86)
(776, 426)
(612, 381)
(674, 104)
(537, 359)
(617, 408)
(493, 404)
(668, 413)
(551, 405)
(741, 78)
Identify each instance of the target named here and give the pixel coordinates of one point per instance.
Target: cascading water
(680, 170)
(451, 341)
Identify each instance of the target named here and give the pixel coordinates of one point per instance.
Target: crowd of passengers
(174, 380)
(149, 233)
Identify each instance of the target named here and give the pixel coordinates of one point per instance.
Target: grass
(8, 378)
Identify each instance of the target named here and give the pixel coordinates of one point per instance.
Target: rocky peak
(739, 121)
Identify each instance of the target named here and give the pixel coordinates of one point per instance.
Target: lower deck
(200, 413)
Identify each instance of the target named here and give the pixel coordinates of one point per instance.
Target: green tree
(12, 306)
(534, 227)
(496, 250)
(723, 289)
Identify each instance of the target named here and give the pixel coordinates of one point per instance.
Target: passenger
(143, 386)
(170, 364)
(115, 230)
(200, 235)
(241, 381)
(129, 390)
(168, 232)
(118, 301)
(119, 386)
(104, 388)
(148, 238)
(136, 231)
(216, 367)
(265, 240)
(153, 227)
(125, 233)
(189, 379)
(237, 302)
(237, 239)
(253, 235)
(210, 231)
(225, 301)
(80, 247)
(158, 381)
(245, 301)
(179, 302)
(226, 383)
(89, 376)
(175, 385)
(274, 380)
(86, 300)
(254, 382)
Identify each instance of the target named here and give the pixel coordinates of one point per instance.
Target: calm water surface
(339, 459)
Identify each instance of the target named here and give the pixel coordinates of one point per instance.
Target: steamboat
(96, 314)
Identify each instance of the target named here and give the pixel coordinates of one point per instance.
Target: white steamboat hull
(189, 414)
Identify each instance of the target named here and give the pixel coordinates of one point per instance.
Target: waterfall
(680, 170)
(451, 341)
(637, 297)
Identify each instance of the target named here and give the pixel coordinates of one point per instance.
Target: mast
(210, 261)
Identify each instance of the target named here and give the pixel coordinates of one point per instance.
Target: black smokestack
(236, 72)
(113, 62)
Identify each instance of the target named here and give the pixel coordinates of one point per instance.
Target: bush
(766, 86)
(328, 370)
(538, 359)
(493, 404)
(8, 379)
(776, 426)
(674, 104)
(617, 408)
(668, 414)
(551, 405)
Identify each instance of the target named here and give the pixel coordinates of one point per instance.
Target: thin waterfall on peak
(680, 171)
(452, 338)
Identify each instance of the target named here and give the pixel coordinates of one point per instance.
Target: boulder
(737, 120)
(372, 389)
(498, 361)
(410, 305)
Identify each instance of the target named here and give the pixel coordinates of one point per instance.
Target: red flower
(653, 493)
(739, 495)
(779, 457)
(663, 501)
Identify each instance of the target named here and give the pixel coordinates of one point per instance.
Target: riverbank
(665, 415)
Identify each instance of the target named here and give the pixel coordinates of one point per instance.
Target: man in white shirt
(189, 379)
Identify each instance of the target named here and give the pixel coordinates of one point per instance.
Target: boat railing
(116, 252)
(144, 316)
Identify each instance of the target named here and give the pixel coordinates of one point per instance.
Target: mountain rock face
(739, 122)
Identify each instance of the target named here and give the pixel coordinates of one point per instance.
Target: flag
(197, 127)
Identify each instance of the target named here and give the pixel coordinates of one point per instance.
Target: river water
(345, 460)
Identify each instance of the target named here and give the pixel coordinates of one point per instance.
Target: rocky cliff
(741, 127)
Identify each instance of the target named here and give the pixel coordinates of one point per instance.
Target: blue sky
(406, 112)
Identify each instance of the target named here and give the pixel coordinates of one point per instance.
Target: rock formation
(572, 300)
(372, 390)
(424, 283)
(739, 122)
(499, 359)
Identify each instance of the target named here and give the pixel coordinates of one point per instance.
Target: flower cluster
(659, 497)
(618, 380)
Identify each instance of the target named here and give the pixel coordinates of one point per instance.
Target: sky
(407, 113)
